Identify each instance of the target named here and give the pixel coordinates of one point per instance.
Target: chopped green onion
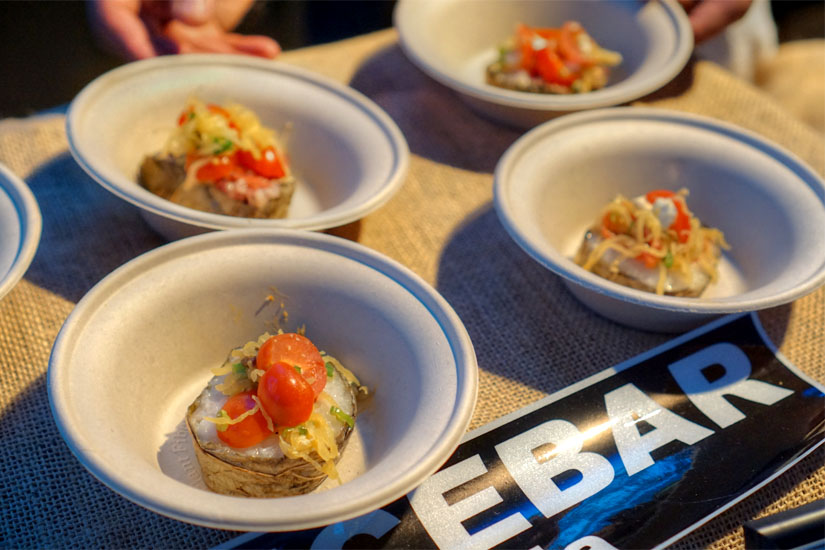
(301, 429)
(238, 368)
(668, 259)
(330, 369)
(222, 427)
(223, 145)
(342, 416)
(297, 368)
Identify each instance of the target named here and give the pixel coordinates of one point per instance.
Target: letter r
(709, 397)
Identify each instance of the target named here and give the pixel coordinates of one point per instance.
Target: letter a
(625, 402)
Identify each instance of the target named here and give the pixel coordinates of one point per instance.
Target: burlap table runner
(531, 336)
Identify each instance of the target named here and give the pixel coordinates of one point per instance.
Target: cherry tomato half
(285, 395)
(269, 165)
(295, 350)
(249, 431)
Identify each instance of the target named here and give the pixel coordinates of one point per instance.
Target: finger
(710, 17)
(230, 12)
(688, 5)
(210, 38)
(257, 45)
(119, 29)
(193, 12)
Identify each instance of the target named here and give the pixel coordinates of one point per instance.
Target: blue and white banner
(636, 456)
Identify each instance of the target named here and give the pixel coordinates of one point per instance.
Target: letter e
(443, 521)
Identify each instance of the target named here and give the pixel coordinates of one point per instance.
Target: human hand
(710, 17)
(135, 29)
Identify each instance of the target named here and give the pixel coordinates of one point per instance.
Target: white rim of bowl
(569, 270)
(31, 226)
(548, 102)
(441, 312)
(130, 191)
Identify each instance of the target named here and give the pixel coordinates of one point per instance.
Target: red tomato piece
(651, 196)
(648, 259)
(269, 165)
(249, 431)
(548, 34)
(525, 42)
(682, 222)
(184, 116)
(614, 224)
(569, 46)
(219, 167)
(551, 68)
(295, 350)
(285, 395)
(218, 110)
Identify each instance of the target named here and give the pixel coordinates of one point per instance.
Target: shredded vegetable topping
(223, 420)
(206, 130)
(660, 233)
(313, 440)
(316, 437)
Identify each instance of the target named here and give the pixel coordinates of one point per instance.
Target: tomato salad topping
(228, 147)
(560, 60)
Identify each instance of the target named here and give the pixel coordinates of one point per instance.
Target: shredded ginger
(316, 436)
(206, 131)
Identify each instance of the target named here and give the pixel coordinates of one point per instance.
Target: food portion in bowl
(653, 243)
(221, 159)
(274, 419)
(564, 60)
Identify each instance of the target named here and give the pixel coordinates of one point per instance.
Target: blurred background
(47, 53)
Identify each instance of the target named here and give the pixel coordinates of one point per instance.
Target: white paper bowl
(454, 40)
(348, 156)
(20, 227)
(137, 350)
(552, 183)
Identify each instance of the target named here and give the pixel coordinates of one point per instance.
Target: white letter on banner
(377, 524)
(625, 402)
(443, 521)
(590, 542)
(534, 476)
(709, 397)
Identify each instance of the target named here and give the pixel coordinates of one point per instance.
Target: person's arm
(710, 17)
(135, 29)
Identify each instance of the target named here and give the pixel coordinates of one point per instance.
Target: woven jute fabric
(530, 335)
